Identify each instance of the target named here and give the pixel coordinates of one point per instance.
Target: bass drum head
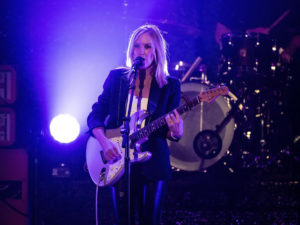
(204, 117)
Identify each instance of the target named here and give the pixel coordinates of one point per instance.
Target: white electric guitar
(105, 173)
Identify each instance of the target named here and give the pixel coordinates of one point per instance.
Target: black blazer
(110, 108)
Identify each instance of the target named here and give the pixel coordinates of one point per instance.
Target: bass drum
(203, 119)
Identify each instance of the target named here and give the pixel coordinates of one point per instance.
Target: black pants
(146, 200)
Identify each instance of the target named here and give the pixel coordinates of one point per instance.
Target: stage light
(64, 128)
(273, 67)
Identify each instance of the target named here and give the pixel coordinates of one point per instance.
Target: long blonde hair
(160, 50)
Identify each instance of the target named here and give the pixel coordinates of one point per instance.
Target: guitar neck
(158, 123)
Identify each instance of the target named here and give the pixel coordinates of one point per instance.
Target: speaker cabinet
(13, 187)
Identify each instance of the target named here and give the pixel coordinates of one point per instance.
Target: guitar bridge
(102, 174)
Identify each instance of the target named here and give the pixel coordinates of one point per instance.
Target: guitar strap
(142, 76)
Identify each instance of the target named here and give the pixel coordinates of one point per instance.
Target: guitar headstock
(212, 94)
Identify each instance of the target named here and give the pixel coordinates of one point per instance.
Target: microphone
(138, 62)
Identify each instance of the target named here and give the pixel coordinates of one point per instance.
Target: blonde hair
(160, 51)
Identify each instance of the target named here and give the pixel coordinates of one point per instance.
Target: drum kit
(247, 122)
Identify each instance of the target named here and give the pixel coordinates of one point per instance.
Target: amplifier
(7, 126)
(13, 187)
(7, 85)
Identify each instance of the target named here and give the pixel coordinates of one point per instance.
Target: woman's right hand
(110, 150)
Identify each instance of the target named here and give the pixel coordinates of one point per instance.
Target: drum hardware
(246, 115)
(208, 118)
(255, 110)
(207, 144)
(201, 76)
(261, 127)
(247, 55)
(192, 68)
(252, 113)
(263, 157)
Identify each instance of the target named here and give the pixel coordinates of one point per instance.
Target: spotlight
(64, 128)
(273, 67)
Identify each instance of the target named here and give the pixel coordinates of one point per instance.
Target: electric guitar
(104, 173)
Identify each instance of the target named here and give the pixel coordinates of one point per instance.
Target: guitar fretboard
(158, 123)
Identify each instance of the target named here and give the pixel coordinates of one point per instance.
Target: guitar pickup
(103, 158)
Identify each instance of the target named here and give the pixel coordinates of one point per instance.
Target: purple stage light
(64, 128)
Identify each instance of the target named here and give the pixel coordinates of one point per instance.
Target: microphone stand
(125, 144)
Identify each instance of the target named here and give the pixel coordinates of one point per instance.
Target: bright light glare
(64, 128)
